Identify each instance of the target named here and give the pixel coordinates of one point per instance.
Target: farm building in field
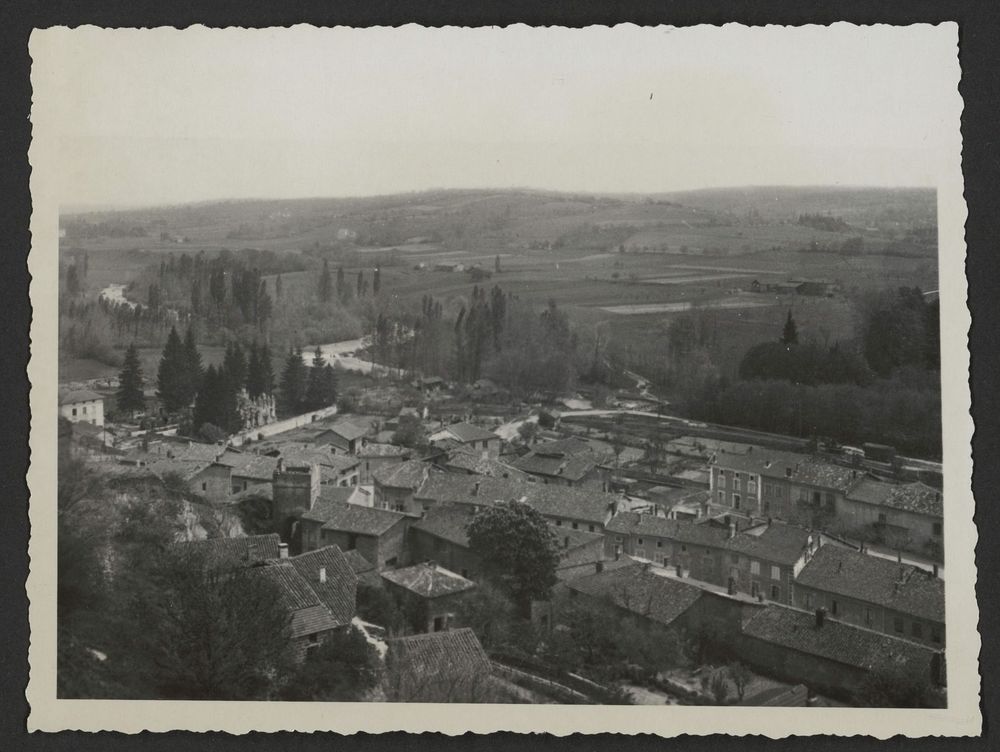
(82, 405)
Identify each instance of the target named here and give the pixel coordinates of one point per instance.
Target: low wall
(280, 426)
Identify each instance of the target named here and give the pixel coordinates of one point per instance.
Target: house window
(833, 607)
(74, 412)
(897, 624)
(722, 473)
(84, 409)
(775, 573)
(755, 567)
(767, 506)
(659, 544)
(755, 588)
(722, 497)
(775, 593)
(640, 542)
(439, 622)
(936, 528)
(736, 483)
(918, 630)
(576, 526)
(751, 487)
(204, 486)
(558, 523)
(736, 501)
(684, 548)
(590, 528)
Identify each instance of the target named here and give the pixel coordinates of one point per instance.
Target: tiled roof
(352, 518)
(76, 396)
(918, 498)
(340, 494)
(309, 614)
(349, 430)
(301, 455)
(572, 468)
(186, 469)
(466, 432)
(439, 656)
(583, 548)
(473, 462)
(192, 450)
(784, 697)
(253, 466)
(804, 468)
(374, 449)
(835, 641)
(636, 589)
(460, 487)
(339, 590)
(428, 580)
(256, 491)
(900, 587)
(682, 531)
(357, 562)
(777, 542)
(584, 504)
(228, 553)
(448, 522)
(409, 474)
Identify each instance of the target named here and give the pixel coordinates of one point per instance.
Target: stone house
(377, 534)
(372, 456)
(431, 591)
(82, 405)
(879, 594)
(395, 485)
(907, 516)
(483, 442)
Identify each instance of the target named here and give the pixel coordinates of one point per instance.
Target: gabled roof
(636, 589)
(305, 454)
(803, 468)
(852, 574)
(466, 432)
(186, 469)
(454, 654)
(835, 640)
(447, 522)
(682, 531)
(462, 458)
(918, 498)
(409, 474)
(352, 518)
(463, 488)
(253, 466)
(777, 542)
(309, 614)
(358, 563)
(348, 430)
(428, 580)
(343, 494)
(557, 465)
(584, 504)
(339, 590)
(229, 553)
(75, 396)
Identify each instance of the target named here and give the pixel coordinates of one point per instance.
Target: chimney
(283, 550)
(788, 472)
(732, 529)
(820, 617)
(935, 570)
(322, 574)
(475, 489)
(281, 465)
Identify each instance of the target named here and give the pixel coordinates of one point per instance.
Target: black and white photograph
(409, 367)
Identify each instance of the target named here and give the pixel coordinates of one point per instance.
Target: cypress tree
(341, 284)
(329, 385)
(325, 283)
(361, 284)
(207, 402)
(193, 366)
(314, 391)
(130, 383)
(266, 371)
(293, 382)
(234, 365)
(790, 334)
(377, 281)
(255, 380)
(172, 375)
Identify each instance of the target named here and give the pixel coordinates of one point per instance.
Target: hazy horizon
(147, 118)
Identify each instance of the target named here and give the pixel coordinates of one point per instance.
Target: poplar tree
(341, 284)
(192, 365)
(325, 283)
(293, 381)
(377, 281)
(790, 334)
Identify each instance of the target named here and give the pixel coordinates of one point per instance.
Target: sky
(140, 117)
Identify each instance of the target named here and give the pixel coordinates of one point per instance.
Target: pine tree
(328, 390)
(172, 376)
(130, 397)
(293, 382)
(377, 281)
(192, 366)
(325, 283)
(790, 335)
(207, 402)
